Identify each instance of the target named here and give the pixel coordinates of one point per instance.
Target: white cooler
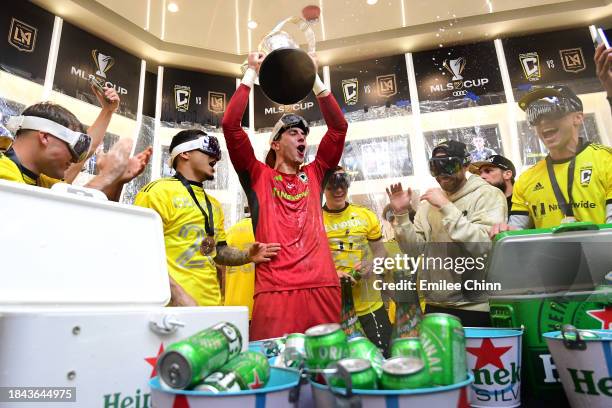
(84, 284)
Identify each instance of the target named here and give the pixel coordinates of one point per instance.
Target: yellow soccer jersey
(183, 232)
(533, 194)
(348, 232)
(10, 170)
(240, 280)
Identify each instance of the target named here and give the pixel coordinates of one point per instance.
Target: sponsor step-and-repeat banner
(195, 98)
(372, 89)
(28, 30)
(82, 56)
(267, 112)
(458, 77)
(560, 57)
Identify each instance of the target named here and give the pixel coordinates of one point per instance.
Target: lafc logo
(22, 36)
(350, 91)
(386, 85)
(531, 66)
(585, 176)
(572, 60)
(216, 102)
(181, 97)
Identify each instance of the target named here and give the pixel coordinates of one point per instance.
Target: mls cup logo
(103, 62)
(455, 67)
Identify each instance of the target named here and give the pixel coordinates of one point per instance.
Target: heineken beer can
(407, 347)
(363, 376)
(187, 362)
(324, 344)
(294, 352)
(248, 371)
(361, 347)
(443, 340)
(401, 373)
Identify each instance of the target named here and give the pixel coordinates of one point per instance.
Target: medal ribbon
(208, 226)
(565, 206)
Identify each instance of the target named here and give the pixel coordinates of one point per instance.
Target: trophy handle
(303, 25)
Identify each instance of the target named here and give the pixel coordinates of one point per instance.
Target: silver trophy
(287, 73)
(455, 67)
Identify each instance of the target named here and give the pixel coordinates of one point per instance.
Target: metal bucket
(281, 391)
(494, 358)
(444, 396)
(584, 365)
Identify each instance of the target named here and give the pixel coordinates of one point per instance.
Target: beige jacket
(460, 229)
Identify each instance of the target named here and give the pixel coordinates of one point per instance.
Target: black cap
(551, 91)
(495, 160)
(452, 148)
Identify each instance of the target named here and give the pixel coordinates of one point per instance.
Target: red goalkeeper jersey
(286, 208)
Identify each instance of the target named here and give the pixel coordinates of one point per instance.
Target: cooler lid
(65, 249)
(571, 257)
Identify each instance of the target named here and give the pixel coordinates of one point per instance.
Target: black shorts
(469, 318)
(377, 328)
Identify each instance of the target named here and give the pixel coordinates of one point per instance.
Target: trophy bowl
(287, 73)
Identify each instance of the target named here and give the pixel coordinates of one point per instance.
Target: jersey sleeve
(153, 200)
(519, 206)
(374, 228)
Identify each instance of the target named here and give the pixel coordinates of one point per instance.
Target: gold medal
(207, 245)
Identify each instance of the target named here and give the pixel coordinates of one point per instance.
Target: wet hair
(55, 113)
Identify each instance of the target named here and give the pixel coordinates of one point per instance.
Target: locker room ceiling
(212, 35)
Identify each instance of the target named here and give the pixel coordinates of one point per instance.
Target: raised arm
(237, 141)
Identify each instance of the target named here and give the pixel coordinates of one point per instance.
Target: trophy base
(287, 75)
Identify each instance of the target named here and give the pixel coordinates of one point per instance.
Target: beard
(501, 185)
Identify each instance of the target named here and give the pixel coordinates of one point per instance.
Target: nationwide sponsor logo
(350, 91)
(459, 86)
(103, 63)
(585, 176)
(216, 102)
(573, 60)
(531, 66)
(182, 94)
(275, 110)
(386, 85)
(22, 36)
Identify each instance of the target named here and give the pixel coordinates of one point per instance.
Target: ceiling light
(172, 7)
(252, 24)
(371, 2)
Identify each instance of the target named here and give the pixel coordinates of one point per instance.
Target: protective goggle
(78, 143)
(206, 144)
(6, 139)
(338, 180)
(445, 166)
(551, 107)
(287, 122)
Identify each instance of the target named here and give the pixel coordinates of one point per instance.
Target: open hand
(399, 198)
(502, 227)
(136, 165)
(259, 252)
(436, 197)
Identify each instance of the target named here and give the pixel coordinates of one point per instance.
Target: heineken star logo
(256, 382)
(153, 360)
(180, 401)
(487, 353)
(603, 315)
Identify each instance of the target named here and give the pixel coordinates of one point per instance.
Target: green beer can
(443, 341)
(361, 347)
(407, 347)
(294, 352)
(325, 344)
(401, 373)
(187, 362)
(248, 371)
(363, 376)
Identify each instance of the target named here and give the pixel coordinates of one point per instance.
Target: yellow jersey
(348, 232)
(183, 233)
(240, 280)
(11, 169)
(533, 193)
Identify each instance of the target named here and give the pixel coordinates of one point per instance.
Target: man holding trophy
(300, 287)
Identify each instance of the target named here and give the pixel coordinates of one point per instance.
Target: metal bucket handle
(572, 344)
(294, 394)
